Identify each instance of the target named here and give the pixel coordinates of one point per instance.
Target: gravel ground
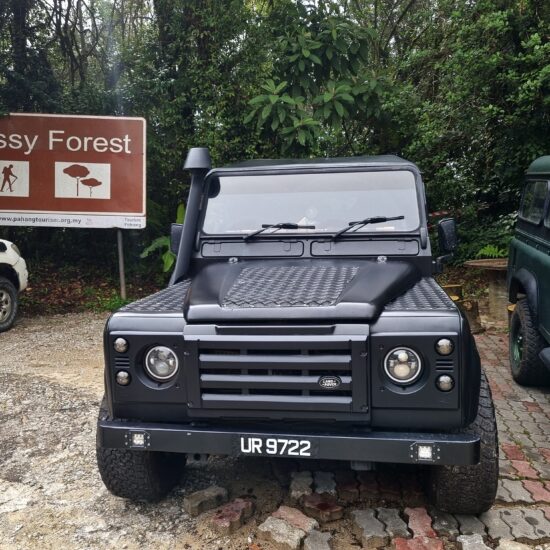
(51, 495)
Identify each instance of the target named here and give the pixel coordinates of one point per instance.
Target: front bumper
(395, 447)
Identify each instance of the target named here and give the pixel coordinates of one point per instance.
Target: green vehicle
(529, 280)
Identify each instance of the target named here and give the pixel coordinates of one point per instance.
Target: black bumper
(396, 447)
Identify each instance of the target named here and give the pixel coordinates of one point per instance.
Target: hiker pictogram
(7, 175)
(72, 179)
(15, 179)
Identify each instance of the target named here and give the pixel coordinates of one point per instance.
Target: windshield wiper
(366, 221)
(277, 226)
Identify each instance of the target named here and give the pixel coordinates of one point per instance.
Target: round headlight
(444, 346)
(120, 345)
(161, 363)
(402, 365)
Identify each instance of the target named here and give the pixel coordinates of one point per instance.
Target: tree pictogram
(91, 183)
(78, 171)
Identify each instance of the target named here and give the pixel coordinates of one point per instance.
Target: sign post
(73, 171)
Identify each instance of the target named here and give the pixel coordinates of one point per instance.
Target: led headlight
(402, 365)
(161, 363)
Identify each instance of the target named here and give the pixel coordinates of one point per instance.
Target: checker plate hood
(299, 290)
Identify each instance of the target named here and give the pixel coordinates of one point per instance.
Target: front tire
(525, 344)
(9, 304)
(138, 475)
(471, 489)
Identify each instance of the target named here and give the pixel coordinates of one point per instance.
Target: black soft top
(392, 161)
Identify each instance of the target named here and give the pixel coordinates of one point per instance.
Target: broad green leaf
(180, 213)
(266, 111)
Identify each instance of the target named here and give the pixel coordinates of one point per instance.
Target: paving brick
(496, 526)
(538, 520)
(317, 541)
(368, 529)
(532, 407)
(470, 525)
(280, 534)
(229, 517)
(200, 501)
(524, 469)
(324, 483)
(444, 524)
(512, 545)
(395, 526)
(517, 491)
(521, 529)
(418, 543)
(296, 518)
(512, 451)
(300, 485)
(537, 490)
(545, 453)
(420, 523)
(322, 507)
(472, 542)
(542, 469)
(503, 494)
(348, 491)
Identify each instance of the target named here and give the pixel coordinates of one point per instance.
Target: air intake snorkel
(198, 162)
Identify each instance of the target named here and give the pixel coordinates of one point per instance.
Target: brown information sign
(72, 171)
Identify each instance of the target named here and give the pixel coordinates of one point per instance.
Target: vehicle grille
(282, 373)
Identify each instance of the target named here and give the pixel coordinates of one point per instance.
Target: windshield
(328, 201)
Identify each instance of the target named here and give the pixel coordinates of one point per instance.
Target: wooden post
(121, 270)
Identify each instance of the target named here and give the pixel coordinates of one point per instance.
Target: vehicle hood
(299, 290)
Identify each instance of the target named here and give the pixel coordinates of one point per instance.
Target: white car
(13, 280)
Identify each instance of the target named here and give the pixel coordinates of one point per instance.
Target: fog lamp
(445, 382)
(123, 377)
(402, 365)
(120, 345)
(161, 363)
(138, 439)
(444, 346)
(425, 452)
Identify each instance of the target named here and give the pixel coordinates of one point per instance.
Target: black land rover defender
(302, 320)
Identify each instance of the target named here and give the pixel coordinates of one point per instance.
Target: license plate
(276, 446)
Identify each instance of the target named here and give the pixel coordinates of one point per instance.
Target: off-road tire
(471, 489)
(9, 304)
(527, 367)
(138, 475)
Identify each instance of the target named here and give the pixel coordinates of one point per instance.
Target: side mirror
(176, 230)
(447, 234)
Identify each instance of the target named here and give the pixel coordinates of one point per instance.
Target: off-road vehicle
(529, 280)
(302, 320)
(13, 280)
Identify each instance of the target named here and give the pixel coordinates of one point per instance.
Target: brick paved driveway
(387, 508)
(51, 495)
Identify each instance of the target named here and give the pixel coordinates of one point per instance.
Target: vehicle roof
(540, 166)
(270, 164)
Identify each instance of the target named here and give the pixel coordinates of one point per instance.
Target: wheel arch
(524, 282)
(10, 274)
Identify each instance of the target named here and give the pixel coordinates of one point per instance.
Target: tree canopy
(461, 88)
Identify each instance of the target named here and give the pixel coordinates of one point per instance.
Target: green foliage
(460, 88)
(161, 245)
(492, 251)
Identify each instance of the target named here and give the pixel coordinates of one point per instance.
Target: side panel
(531, 274)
